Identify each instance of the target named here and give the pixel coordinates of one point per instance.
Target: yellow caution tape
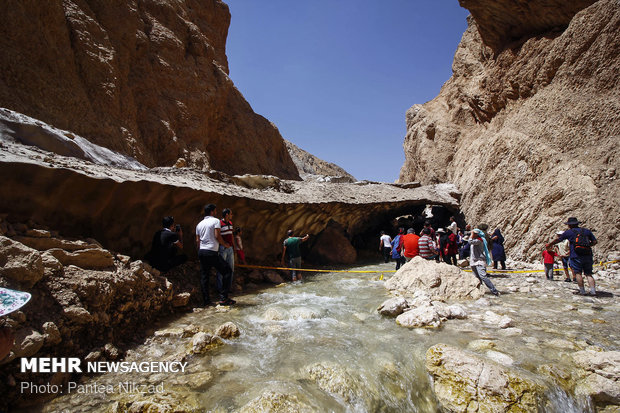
(263, 267)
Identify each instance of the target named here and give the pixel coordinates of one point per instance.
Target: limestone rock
(311, 167)
(276, 402)
(171, 47)
(227, 330)
(425, 316)
(334, 378)
(20, 263)
(464, 382)
(393, 306)
(200, 342)
(78, 314)
(529, 91)
(94, 258)
(602, 377)
(441, 280)
(47, 243)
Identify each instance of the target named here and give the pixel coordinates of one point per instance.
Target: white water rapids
(331, 320)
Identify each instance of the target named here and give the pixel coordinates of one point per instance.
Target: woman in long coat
(498, 252)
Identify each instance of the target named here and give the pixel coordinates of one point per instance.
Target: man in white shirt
(208, 240)
(385, 246)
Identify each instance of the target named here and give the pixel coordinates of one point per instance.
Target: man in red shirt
(410, 245)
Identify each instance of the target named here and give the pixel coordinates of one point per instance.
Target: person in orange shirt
(410, 245)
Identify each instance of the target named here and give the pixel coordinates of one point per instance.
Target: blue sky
(336, 77)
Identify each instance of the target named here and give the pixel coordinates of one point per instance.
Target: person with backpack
(581, 241)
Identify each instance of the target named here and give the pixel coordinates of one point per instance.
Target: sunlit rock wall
(528, 125)
(147, 78)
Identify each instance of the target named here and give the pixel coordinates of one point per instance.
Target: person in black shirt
(166, 242)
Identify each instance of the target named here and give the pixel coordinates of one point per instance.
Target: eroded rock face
(122, 208)
(528, 130)
(148, 79)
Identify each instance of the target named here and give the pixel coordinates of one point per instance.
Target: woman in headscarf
(498, 252)
(479, 258)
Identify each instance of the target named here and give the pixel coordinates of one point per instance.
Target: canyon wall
(146, 78)
(528, 126)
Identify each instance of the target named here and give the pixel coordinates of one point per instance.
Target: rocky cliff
(528, 125)
(147, 78)
(312, 168)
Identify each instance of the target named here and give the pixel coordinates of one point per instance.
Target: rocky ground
(493, 373)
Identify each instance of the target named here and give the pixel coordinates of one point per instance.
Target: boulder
(200, 342)
(227, 330)
(393, 306)
(273, 277)
(601, 378)
(334, 378)
(424, 316)
(465, 382)
(440, 281)
(47, 243)
(20, 263)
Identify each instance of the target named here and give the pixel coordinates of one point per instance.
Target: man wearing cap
(564, 253)
(410, 245)
(579, 262)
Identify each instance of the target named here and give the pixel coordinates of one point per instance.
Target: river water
(322, 344)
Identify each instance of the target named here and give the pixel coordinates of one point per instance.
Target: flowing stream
(368, 362)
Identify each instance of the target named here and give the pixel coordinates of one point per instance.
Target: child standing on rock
(548, 260)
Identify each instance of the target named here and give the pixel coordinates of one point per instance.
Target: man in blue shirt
(580, 259)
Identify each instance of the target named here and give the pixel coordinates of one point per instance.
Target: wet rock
(500, 358)
(481, 344)
(94, 258)
(164, 402)
(393, 306)
(228, 330)
(305, 313)
(93, 356)
(195, 381)
(20, 263)
(169, 332)
(277, 403)
(601, 377)
(465, 382)
(497, 320)
(201, 342)
(457, 311)
(335, 379)
(441, 281)
(425, 316)
(275, 314)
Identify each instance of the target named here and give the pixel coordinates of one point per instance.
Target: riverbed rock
(441, 281)
(276, 402)
(465, 382)
(20, 263)
(601, 377)
(160, 402)
(334, 378)
(201, 342)
(228, 330)
(424, 316)
(273, 277)
(393, 306)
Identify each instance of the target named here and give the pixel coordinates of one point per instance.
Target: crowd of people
(574, 249)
